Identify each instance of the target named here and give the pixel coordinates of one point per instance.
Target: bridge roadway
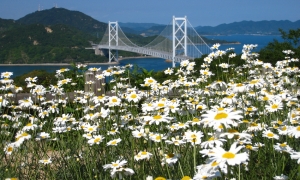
(141, 50)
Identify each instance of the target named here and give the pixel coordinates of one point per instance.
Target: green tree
(293, 36)
(273, 52)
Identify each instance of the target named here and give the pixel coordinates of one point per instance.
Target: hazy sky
(198, 12)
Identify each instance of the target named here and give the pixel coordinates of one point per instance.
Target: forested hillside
(38, 43)
(7, 24)
(56, 35)
(74, 19)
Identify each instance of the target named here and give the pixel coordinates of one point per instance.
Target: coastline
(56, 64)
(68, 64)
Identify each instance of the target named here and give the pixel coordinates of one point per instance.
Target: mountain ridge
(243, 27)
(250, 27)
(90, 25)
(64, 16)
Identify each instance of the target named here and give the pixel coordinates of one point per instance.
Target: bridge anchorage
(177, 42)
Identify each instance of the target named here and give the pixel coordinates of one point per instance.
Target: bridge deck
(141, 50)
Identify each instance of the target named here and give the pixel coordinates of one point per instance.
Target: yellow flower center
(144, 153)
(249, 147)
(195, 120)
(10, 149)
(200, 107)
(211, 139)
(254, 124)
(250, 109)
(100, 97)
(230, 96)
(160, 178)
(228, 155)
(270, 134)
(186, 178)
(232, 131)
(254, 82)
(158, 137)
(245, 121)
(220, 109)
(181, 124)
(274, 106)
(214, 164)
(157, 117)
(170, 155)
(283, 145)
(97, 140)
(115, 164)
(24, 134)
(265, 98)
(160, 105)
(133, 96)
(221, 115)
(114, 142)
(193, 136)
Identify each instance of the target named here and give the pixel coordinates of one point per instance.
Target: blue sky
(198, 12)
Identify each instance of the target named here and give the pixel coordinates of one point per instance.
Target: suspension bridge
(177, 42)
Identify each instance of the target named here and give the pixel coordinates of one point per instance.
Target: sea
(158, 64)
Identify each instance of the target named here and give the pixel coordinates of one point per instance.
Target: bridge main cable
(174, 42)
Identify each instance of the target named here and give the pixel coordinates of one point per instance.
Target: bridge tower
(179, 37)
(113, 40)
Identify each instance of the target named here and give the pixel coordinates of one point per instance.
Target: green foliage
(44, 78)
(7, 24)
(137, 75)
(76, 74)
(273, 51)
(46, 44)
(293, 36)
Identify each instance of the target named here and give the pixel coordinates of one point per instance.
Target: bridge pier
(99, 52)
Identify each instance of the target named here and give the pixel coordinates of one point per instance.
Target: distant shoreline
(56, 64)
(68, 64)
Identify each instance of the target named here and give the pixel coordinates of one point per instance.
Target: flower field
(239, 122)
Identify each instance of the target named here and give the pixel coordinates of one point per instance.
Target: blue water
(158, 64)
(260, 40)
